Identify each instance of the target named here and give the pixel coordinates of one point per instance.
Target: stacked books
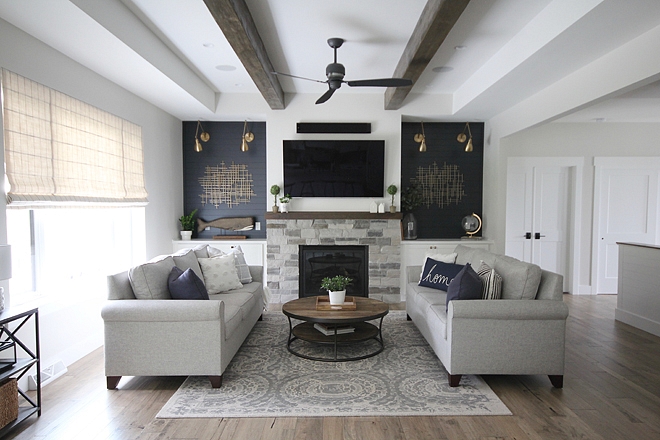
(329, 330)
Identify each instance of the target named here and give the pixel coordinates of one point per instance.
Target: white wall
(69, 331)
(586, 140)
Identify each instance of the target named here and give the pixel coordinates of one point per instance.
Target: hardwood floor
(611, 391)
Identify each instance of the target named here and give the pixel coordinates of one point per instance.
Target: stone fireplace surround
(287, 231)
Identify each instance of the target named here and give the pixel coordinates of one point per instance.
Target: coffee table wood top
(305, 309)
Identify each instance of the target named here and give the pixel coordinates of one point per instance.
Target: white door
(537, 215)
(627, 212)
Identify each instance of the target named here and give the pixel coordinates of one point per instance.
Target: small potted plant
(275, 190)
(336, 287)
(284, 202)
(391, 190)
(187, 225)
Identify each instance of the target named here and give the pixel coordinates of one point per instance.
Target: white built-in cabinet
(254, 250)
(414, 252)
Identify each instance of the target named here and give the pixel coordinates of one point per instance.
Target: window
(68, 158)
(67, 253)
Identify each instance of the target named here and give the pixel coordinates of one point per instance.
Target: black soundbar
(333, 127)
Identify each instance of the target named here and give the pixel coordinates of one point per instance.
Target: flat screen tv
(334, 168)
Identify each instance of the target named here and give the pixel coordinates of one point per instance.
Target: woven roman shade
(60, 151)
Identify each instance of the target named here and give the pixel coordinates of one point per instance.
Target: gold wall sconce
(462, 137)
(204, 136)
(421, 139)
(247, 137)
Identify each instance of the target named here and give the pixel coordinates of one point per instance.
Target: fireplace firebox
(317, 262)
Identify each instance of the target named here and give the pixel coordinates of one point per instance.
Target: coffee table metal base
(364, 331)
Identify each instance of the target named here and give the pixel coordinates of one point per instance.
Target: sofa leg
(557, 380)
(112, 382)
(408, 318)
(216, 381)
(454, 379)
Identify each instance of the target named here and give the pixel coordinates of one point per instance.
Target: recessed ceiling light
(460, 47)
(442, 69)
(238, 85)
(599, 119)
(207, 44)
(225, 68)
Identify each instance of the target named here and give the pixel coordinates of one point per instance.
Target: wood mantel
(334, 215)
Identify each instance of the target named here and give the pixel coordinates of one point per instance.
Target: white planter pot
(284, 207)
(186, 235)
(337, 298)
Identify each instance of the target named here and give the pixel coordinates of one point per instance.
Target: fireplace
(318, 261)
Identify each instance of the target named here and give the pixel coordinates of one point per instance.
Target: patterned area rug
(265, 380)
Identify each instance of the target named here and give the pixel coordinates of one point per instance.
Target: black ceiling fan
(335, 73)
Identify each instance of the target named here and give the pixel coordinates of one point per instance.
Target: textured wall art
(230, 185)
(440, 186)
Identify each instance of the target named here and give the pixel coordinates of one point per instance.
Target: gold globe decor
(471, 225)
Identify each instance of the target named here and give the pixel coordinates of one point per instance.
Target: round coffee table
(304, 309)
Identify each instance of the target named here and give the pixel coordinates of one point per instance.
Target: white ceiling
(172, 53)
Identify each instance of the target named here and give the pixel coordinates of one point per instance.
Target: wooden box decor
(323, 303)
(8, 401)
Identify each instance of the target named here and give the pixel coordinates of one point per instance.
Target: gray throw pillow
(465, 285)
(242, 268)
(220, 274)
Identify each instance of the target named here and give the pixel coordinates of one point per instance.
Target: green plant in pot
(392, 190)
(187, 225)
(284, 201)
(336, 287)
(275, 190)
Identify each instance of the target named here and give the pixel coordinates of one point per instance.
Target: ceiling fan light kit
(334, 72)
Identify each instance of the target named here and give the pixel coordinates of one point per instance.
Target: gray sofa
(168, 337)
(522, 333)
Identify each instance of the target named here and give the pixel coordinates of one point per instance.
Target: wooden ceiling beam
(235, 21)
(433, 26)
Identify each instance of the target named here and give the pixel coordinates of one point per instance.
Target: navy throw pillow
(186, 285)
(465, 285)
(437, 274)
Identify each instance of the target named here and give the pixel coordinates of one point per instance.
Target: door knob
(538, 235)
(528, 235)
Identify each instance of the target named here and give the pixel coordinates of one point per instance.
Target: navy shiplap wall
(442, 147)
(224, 146)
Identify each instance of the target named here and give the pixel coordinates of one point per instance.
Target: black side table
(18, 367)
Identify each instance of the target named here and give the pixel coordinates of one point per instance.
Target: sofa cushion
(241, 266)
(445, 258)
(437, 274)
(492, 282)
(474, 256)
(465, 285)
(187, 258)
(520, 280)
(185, 284)
(241, 299)
(220, 274)
(233, 319)
(149, 280)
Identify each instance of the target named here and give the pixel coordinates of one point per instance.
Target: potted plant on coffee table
(187, 225)
(336, 287)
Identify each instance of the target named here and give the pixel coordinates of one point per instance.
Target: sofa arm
(168, 310)
(508, 310)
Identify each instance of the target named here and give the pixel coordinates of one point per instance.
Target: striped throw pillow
(491, 282)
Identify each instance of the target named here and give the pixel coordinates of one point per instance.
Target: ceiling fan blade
(382, 82)
(299, 77)
(325, 96)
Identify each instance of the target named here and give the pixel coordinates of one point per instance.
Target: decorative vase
(409, 227)
(275, 209)
(337, 298)
(285, 207)
(186, 235)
